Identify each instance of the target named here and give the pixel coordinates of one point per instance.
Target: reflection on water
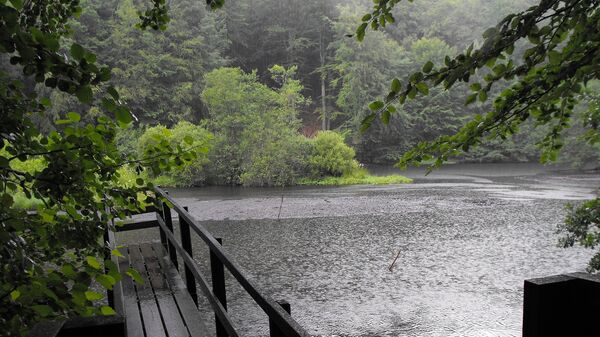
(466, 241)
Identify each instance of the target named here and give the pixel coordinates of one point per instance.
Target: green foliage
(257, 142)
(193, 140)
(546, 79)
(358, 177)
(49, 259)
(279, 163)
(158, 74)
(330, 156)
(582, 226)
(557, 63)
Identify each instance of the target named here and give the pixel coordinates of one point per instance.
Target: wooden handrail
(286, 324)
(189, 261)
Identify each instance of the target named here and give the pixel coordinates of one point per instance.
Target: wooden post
(561, 305)
(170, 246)
(110, 296)
(218, 283)
(186, 243)
(163, 236)
(274, 331)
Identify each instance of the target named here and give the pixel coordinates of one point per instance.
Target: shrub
(278, 163)
(330, 156)
(184, 135)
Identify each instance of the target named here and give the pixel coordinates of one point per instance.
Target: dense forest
(256, 81)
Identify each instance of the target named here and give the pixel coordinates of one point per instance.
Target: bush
(196, 139)
(279, 163)
(330, 156)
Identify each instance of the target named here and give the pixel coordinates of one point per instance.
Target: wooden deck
(161, 306)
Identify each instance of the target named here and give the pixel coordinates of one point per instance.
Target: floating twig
(394, 262)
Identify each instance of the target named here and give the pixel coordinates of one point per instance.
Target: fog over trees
(161, 74)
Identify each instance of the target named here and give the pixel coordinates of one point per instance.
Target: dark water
(468, 236)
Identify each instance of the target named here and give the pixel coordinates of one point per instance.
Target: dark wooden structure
(165, 304)
(562, 305)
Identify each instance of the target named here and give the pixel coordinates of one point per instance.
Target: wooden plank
(95, 326)
(134, 225)
(131, 308)
(187, 307)
(151, 318)
(46, 329)
(166, 303)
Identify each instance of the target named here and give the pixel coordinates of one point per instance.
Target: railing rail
(282, 324)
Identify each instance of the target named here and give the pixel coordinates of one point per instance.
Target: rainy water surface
(466, 237)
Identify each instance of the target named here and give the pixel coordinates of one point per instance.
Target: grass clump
(359, 177)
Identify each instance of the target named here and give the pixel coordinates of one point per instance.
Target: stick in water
(394, 262)
(280, 206)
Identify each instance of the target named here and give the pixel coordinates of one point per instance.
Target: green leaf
(17, 4)
(46, 102)
(471, 99)
(107, 311)
(113, 92)
(73, 116)
(490, 32)
(106, 281)
(385, 117)
(135, 275)
(123, 115)
(93, 262)
(77, 51)
(423, 88)
(42, 310)
(360, 31)
(188, 139)
(554, 57)
(93, 296)
(367, 121)
(366, 17)
(374, 106)
(15, 294)
(475, 87)
(396, 85)
(427, 67)
(85, 94)
(116, 252)
(482, 96)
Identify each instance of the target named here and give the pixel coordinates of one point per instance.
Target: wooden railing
(280, 321)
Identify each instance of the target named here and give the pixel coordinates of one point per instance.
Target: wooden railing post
(186, 243)
(274, 331)
(163, 236)
(169, 246)
(218, 284)
(110, 296)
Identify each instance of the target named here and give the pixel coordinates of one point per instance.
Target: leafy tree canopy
(560, 40)
(49, 258)
(543, 83)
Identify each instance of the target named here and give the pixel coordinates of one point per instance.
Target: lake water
(467, 237)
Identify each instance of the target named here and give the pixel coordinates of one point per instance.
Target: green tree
(158, 74)
(49, 258)
(545, 82)
(253, 125)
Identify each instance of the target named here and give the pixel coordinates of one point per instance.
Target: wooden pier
(165, 305)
